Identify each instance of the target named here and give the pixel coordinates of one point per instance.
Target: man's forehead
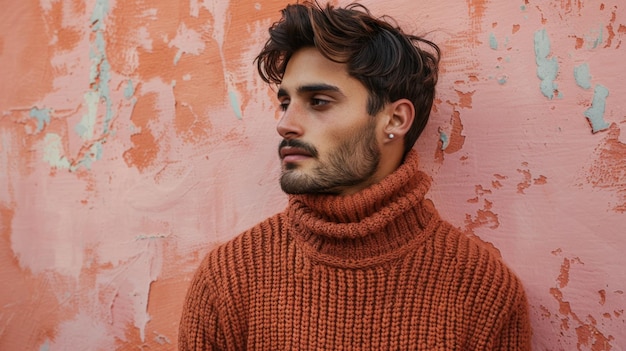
(309, 66)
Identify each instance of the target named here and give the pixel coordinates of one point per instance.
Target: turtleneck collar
(376, 224)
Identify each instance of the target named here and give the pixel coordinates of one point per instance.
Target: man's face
(329, 140)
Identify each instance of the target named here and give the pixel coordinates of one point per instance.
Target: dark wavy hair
(391, 64)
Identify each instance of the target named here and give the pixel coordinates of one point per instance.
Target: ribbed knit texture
(377, 270)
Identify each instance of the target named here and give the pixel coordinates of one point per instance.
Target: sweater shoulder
(480, 262)
(249, 247)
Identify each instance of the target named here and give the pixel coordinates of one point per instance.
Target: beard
(354, 161)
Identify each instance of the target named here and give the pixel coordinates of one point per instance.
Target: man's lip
(293, 151)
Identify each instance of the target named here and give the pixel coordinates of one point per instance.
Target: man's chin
(295, 182)
(290, 166)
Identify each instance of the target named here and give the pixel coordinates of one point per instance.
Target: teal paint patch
(582, 76)
(129, 91)
(595, 114)
(94, 154)
(599, 38)
(523, 7)
(99, 94)
(547, 68)
(100, 71)
(42, 115)
(234, 103)
(96, 150)
(178, 56)
(445, 141)
(53, 152)
(86, 128)
(45, 346)
(493, 42)
(502, 80)
(101, 8)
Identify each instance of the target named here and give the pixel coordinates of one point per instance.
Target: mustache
(298, 145)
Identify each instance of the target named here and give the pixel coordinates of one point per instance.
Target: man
(359, 260)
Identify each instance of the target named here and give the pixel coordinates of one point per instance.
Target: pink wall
(135, 135)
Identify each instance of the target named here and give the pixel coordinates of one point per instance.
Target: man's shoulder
(475, 256)
(249, 243)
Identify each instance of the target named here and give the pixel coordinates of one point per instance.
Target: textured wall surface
(135, 136)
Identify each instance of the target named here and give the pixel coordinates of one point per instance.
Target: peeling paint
(42, 116)
(445, 141)
(608, 171)
(53, 152)
(45, 346)
(188, 41)
(129, 91)
(493, 42)
(547, 68)
(595, 114)
(582, 76)
(234, 104)
(100, 68)
(595, 37)
(87, 126)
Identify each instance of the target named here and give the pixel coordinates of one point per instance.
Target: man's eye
(319, 102)
(283, 105)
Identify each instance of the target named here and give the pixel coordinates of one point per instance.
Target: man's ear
(401, 116)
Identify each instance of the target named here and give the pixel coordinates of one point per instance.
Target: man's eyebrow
(311, 88)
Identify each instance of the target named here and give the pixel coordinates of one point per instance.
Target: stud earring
(391, 136)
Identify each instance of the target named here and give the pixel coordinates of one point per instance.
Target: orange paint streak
(479, 190)
(602, 296)
(238, 35)
(564, 306)
(589, 335)
(473, 200)
(563, 278)
(579, 43)
(456, 138)
(587, 332)
(166, 299)
(525, 183)
(516, 28)
(483, 217)
(204, 91)
(68, 38)
(609, 168)
(146, 148)
(164, 306)
(465, 99)
(541, 180)
(28, 66)
(609, 29)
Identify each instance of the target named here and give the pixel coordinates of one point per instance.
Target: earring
(391, 136)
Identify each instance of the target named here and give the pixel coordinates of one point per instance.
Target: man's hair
(388, 62)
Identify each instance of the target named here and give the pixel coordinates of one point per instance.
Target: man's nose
(289, 126)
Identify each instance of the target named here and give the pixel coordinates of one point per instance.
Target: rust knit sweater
(377, 270)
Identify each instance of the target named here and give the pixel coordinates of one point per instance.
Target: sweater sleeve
(516, 331)
(199, 327)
